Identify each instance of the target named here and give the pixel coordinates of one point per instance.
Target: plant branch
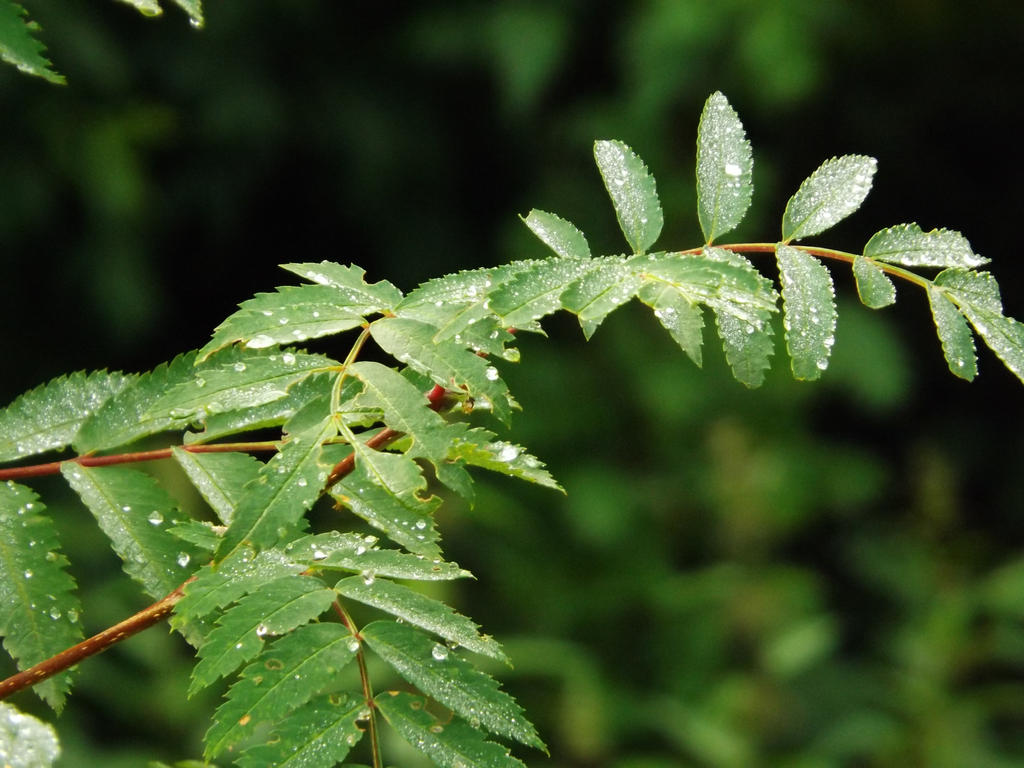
(98, 643)
(53, 467)
(436, 397)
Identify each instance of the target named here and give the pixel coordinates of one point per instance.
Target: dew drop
(508, 452)
(368, 577)
(259, 342)
(55, 613)
(421, 524)
(28, 574)
(239, 366)
(262, 630)
(491, 373)
(183, 558)
(319, 554)
(731, 169)
(155, 517)
(353, 644)
(439, 652)
(288, 358)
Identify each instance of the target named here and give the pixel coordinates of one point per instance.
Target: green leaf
(384, 490)
(278, 607)
(559, 235)
(479, 447)
(318, 735)
(194, 8)
(458, 306)
(219, 477)
(446, 362)
(979, 289)
(873, 286)
(742, 299)
(295, 313)
(907, 245)
(370, 297)
(679, 315)
(239, 574)
(359, 554)
(406, 410)
(135, 513)
(250, 380)
(536, 292)
(38, 607)
(606, 286)
(199, 532)
(957, 340)
(632, 191)
(1003, 335)
(441, 674)
(26, 741)
(809, 311)
(451, 745)
(19, 47)
(124, 417)
(286, 675)
(830, 194)
(415, 608)
(285, 487)
(724, 167)
(272, 414)
(47, 417)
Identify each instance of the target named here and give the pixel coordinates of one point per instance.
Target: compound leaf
(1003, 335)
(873, 286)
(38, 608)
(479, 447)
(607, 285)
(956, 338)
(536, 292)
(135, 514)
(295, 313)
(239, 574)
(406, 410)
(447, 363)
(19, 47)
(285, 487)
(809, 311)
(451, 745)
(724, 167)
(317, 735)
(125, 416)
(219, 477)
(356, 292)
(830, 194)
(285, 676)
(425, 612)
(559, 235)
(742, 299)
(907, 245)
(278, 607)
(360, 554)
(246, 380)
(632, 191)
(272, 414)
(384, 490)
(49, 416)
(979, 289)
(442, 675)
(678, 315)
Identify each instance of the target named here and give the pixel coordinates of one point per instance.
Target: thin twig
(53, 467)
(98, 643)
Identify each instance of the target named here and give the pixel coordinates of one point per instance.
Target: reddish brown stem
(144, 619)
(162, 608)
(53, 467)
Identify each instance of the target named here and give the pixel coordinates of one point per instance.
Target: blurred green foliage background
(801, 576)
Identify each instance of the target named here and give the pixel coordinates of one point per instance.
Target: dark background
(800, 576)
